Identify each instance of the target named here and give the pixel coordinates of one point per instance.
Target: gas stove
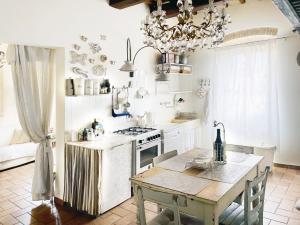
(146, 146)
(134, 131)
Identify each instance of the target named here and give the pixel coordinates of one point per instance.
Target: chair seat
(233, 215)
(166, 217)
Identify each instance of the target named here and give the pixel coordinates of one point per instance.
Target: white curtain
(244, 95)
(33, 72)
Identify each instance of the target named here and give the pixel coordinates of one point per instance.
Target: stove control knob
(148, 139)
(140, 141)
(158, 135)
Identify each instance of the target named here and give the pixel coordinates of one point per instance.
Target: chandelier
(185, 36)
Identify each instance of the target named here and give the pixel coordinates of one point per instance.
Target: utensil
(117, 100)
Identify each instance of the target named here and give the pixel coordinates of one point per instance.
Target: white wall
(59, 23)
(9, 117)
(257, 14)
(289, 105)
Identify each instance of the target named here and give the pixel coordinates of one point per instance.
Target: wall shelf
(72, 96)
(175, 69)
(181, 92)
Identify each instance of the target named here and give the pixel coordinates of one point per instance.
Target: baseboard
(13, 167)
(58, 201)
(287, 166)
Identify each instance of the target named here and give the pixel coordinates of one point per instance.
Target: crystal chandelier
(185, 35)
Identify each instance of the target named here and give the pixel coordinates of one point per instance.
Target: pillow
(19, 137)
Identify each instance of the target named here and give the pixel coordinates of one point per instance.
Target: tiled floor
(16, 207)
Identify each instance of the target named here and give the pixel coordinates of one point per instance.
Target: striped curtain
(82, 178)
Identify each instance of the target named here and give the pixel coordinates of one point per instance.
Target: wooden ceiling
(170, 6)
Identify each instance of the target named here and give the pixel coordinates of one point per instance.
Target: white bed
(16, 154)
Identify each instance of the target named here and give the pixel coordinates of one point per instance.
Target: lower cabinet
(116, 171)
(172, 140)
(181, 138)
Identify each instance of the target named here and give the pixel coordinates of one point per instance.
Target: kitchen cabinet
(172, 140)
(116, 171)
(97, 176)
(182, 137)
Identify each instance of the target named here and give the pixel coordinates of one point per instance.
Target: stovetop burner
(133, 131)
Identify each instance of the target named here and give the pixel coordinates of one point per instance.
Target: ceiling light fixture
(129, 66)
(185, 36)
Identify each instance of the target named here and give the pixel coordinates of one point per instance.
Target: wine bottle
(218, 147)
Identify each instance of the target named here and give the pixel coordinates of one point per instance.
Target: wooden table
(209, 203)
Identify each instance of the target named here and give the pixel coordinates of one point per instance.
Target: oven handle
(144, 146)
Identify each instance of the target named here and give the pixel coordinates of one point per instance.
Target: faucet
(216, 123)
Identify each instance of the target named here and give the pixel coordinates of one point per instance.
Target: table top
(209, 185)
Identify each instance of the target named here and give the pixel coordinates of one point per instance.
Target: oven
(144, 150)
(147, 145)
(145, 154)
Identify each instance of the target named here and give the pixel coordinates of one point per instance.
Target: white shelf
(181, 92)
(72, 96)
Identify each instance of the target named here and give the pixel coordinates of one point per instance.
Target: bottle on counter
(85, 134)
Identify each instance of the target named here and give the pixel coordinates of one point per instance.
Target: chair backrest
(164, 157)
(254, 199)
(163, 199)
(240, 148)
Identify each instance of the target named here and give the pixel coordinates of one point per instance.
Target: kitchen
(110, 122)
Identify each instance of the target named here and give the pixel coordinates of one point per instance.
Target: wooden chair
(252, 211)
(242, 149)
(163, 157)
(170, 215)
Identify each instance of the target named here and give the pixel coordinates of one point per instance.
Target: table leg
(138, 222)
(210, 218)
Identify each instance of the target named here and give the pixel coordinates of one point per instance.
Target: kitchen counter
(109, 141)
(171, 125)
(104, 142)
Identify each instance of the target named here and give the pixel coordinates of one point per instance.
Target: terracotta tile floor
(16, 207)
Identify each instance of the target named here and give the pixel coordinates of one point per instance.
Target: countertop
(179, 123)
(109, 141)
(105, 142)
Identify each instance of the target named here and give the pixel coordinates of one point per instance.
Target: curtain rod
(256, 42)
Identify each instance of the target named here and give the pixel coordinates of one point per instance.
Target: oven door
(145, 154)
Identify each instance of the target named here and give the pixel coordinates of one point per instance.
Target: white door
(116, 171)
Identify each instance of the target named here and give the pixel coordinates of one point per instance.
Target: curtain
(244, 95)
(82, 178)
(33, 72)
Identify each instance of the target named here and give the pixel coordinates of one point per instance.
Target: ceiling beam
(121, 4)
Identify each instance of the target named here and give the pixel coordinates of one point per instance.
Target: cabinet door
(173, 141)
(190, 139)
(116, 171)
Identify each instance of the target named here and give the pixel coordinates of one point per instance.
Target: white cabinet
(173, 140)
(116, 171)
(182, 137)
